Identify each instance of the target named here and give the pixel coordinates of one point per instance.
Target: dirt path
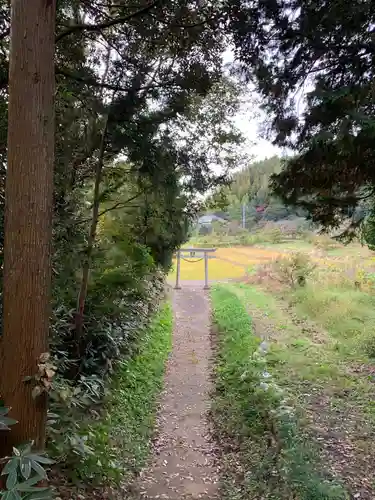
(183, 465)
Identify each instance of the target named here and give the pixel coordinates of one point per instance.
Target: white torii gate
(194, 255)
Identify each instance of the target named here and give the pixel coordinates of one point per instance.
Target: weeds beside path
(121, 438)
(334, 390)
(265, 453)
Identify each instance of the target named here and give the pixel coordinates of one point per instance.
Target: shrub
(24, 470)
(112, 444)
(294, 270)
(368, 231)
(270, 233)
(321, 241)
(364, 280)
(247, 239)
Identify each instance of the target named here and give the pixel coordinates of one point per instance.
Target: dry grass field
(236, 262)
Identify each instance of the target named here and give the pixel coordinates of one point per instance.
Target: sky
(257, 147)
(249, 121)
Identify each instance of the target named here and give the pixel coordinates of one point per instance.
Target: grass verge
(120, 443)
(348, 315)
(265, 452)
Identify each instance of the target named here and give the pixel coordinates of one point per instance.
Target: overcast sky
(249, 121)
(257, 147)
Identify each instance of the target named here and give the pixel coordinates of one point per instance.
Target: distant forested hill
(250, 186)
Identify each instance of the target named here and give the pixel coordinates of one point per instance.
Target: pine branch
(117, 88)
(107, 24)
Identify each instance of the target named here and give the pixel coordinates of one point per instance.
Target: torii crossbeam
(191, 254)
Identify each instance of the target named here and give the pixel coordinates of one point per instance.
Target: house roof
(209, 219)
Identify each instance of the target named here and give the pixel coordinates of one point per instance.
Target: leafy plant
(271, 234)
(294, 270)
(322, 241)
(368, 231)
(25, 475)
(24, 470)
(111, 441)
(5, 421)
(42, 380)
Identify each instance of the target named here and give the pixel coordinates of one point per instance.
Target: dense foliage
(143, 111)
(250, 196)
(313, 63)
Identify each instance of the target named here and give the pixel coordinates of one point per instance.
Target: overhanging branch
(117, 88)
(119, 204)
(107, 24)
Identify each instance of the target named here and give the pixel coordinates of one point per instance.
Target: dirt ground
(183, 464)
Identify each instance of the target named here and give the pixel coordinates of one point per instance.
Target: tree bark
(28, 215)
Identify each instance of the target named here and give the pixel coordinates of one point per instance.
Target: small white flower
(263, 347)
(266, 374)
(264, 386)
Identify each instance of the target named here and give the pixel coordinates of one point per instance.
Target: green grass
(302, 356)
(297, 245)
(348, 314)
(121, 442)
(266, 454)
(293, 355)
(236, 343)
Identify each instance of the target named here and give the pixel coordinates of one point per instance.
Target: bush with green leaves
(110, 442)
(368, 231)
(294, 270)
(321, 241)
(5, 421)
(24, 470)
(26, 475)
(126, 286)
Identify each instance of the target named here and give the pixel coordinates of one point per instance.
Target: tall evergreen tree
(28, 218)
(140, 81)
(313, 62)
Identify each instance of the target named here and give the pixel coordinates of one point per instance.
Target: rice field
(229, 263)
(236, 262)
(217, 270)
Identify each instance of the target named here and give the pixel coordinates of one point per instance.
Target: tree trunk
(28, 215)
(81, 300)
(90, 243)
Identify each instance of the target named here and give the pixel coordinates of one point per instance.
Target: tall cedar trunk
(28, 214)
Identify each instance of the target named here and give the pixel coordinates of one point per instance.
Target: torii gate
(194, 255)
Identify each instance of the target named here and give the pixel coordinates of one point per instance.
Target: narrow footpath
(183, 466)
